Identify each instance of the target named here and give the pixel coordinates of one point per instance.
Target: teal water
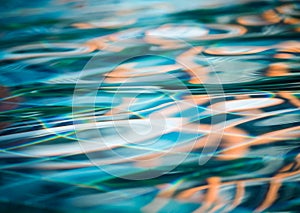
(149, 106)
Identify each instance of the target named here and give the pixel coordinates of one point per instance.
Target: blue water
(149, 106)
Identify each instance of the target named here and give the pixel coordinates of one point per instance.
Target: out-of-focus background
(149, 106)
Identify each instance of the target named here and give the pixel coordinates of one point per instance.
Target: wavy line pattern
(216, 81)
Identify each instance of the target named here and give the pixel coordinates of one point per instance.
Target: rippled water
(149, 106)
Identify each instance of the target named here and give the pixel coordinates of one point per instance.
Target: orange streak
(271, 195)
(290, 97)
(278, 69)
(212, 194)
(240, 192)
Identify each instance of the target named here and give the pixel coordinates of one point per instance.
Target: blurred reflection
(213, 80)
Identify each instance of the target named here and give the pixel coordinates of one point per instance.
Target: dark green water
(149, 106)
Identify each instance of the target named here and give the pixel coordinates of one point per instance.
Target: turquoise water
(149, 106)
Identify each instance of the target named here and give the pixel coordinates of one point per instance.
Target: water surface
(149, 106)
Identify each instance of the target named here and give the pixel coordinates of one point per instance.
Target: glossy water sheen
(244, 53)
